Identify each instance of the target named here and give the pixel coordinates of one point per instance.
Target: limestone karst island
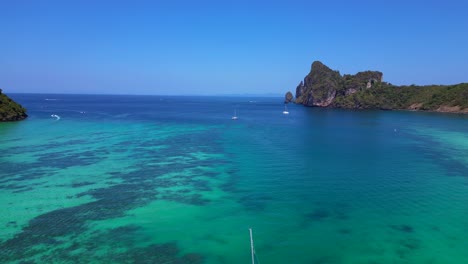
(324, 87)
(10, 110)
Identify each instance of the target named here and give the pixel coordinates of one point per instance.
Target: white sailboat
(285, 112)
(234, 117)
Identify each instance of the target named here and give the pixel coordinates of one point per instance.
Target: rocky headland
(10, 110)
(324, 87)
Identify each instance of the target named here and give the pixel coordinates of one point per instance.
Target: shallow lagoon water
(152, 179)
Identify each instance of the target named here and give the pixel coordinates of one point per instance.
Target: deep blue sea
(166, 179)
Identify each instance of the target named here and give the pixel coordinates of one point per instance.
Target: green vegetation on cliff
(327, 88)
(452, 98)
(10, 110)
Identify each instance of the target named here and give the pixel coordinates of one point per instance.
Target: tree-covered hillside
(385, 96)
(10, 110)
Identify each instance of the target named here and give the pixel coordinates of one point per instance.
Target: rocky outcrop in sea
(288, 97)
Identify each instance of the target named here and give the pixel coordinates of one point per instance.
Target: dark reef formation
(324, 87)
(10, 110)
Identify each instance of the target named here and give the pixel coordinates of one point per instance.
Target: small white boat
(285, 112)
(234, 117)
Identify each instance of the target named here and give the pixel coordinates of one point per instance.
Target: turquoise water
(134, 179)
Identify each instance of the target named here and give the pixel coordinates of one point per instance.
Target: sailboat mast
(252, 246)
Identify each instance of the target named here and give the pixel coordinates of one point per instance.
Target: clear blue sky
(224, 47)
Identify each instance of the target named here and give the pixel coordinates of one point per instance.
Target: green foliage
(386, 96)
(10, 110)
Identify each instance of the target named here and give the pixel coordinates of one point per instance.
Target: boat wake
(55, 116)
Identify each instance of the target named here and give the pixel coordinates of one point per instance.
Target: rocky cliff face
(288, 97)
(322, 85)
(10, 110)
(319, 87)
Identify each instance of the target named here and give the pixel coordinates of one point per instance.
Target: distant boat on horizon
(234, 117)
(285, 112)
